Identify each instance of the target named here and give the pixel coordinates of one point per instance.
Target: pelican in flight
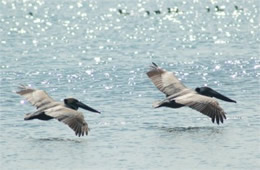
(178, 95)
(48, 108)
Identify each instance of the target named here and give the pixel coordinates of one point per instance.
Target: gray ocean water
(87, 50)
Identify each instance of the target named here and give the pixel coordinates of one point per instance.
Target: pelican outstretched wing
(74, 119)
(165, 81)
(203, 104)
(38, 98)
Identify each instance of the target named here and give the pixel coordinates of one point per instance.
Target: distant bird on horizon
(157, 12)
(208, 9)
(48, 108)
(178, 95)
(147, 12)
(238, 9)
(175, 10)
(218, 9)
(123, 12)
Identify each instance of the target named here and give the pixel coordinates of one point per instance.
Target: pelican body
(178, 95)
(48, 108)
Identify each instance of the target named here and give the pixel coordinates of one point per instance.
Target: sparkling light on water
(88, 50)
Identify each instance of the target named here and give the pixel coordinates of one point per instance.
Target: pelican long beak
(83, 106)
(213, 93)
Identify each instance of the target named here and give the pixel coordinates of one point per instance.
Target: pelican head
(206, 91)
(75, 104)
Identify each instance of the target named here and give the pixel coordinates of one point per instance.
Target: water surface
(87, 50)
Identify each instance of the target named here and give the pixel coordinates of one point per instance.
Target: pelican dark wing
(74, 119)
(203, 104)
(165, 81)
(38, 98)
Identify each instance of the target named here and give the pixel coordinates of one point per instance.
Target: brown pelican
(48, 108)
(178, 95)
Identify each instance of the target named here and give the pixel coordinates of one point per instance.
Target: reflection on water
(192, 129)
(60, 140)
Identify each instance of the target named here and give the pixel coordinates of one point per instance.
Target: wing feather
(38, 98)
(165, 81)
(74, 119)
(203, 104)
